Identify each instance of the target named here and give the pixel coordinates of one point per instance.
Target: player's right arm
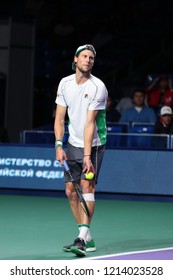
(59, 128)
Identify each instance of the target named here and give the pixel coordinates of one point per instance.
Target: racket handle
(66, 165)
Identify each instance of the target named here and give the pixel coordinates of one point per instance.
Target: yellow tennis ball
(89, 175)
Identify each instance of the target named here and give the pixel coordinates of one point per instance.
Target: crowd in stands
(147, 105)
(142, 120)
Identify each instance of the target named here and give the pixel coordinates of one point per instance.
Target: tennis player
(83, 96)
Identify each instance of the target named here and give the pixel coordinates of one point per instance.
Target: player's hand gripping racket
(78, 191)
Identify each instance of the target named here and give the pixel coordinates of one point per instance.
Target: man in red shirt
(160, 93)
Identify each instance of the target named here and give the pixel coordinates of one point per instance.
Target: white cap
(82, 48)
(85, 47)
(166, 110)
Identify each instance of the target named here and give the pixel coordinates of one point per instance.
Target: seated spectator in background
(164, 124)
(160, 93)
(139, 112)
(112, 115)
(124, 103)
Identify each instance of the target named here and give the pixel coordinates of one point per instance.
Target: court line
(129, 253)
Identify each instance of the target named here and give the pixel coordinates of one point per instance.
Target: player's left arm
(88, 139)
(98, 103)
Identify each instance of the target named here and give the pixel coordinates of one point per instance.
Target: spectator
(164, 124)
(139, 112)
(124, 103)
(160, 93)
(112, 115)
(125, 100)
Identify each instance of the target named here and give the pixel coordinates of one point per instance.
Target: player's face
(85, 61)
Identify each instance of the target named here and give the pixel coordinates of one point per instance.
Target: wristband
(58, 143)
(86, 155)
(57, 146)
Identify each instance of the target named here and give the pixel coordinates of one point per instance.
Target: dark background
(133, 39)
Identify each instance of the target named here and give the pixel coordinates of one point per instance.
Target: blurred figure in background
(164, 124)
(160, 93)
(124, 103)
(139, 112)
(112, 115)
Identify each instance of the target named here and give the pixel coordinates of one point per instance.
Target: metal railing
(139, 141)
(115, 140)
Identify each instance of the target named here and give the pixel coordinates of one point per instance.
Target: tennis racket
(78, 191)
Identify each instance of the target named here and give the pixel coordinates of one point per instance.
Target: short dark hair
(138, 90)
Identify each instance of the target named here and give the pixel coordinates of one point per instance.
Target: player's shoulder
(97, 81)
(68, 78)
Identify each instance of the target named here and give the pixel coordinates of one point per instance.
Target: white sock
(88, 237)
(83, 231)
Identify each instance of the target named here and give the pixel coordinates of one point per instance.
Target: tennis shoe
(79, 249)
(90, 246)
(67, 248)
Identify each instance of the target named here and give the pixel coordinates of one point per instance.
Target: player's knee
(71, 194)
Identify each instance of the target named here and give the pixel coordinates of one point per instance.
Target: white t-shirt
(91, 95)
